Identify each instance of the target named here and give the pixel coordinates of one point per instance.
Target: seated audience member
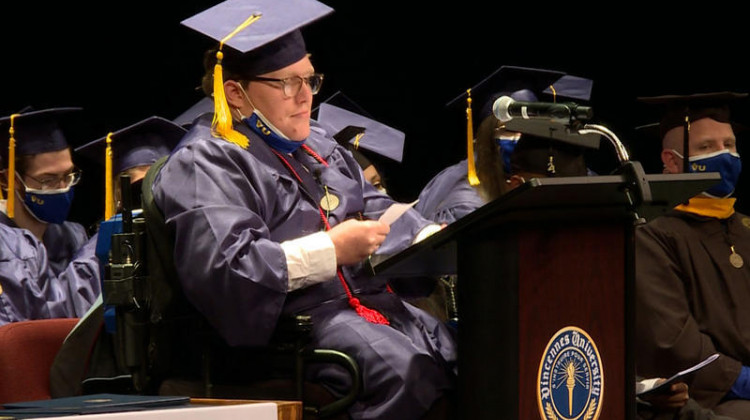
(285, 221)
(691, 277)
(38, 177)
(133, 150)
(449, 195)
(672, 404)
(44, 180)
(368, 140)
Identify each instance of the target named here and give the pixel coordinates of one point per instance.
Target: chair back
(27, 349)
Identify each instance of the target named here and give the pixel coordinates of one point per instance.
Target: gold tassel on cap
(473, 180)
(10, 210)
(109, 202)
(222, 121)
(356, 140)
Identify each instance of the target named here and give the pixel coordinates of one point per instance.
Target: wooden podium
(555, 253)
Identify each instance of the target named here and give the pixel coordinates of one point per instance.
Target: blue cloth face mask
(507, 143)
(726, 163)
(50, 206)
(270, 134)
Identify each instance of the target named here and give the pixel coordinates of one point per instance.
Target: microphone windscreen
(500, 108)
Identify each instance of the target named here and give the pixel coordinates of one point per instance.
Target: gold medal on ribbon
(329, 202)
(736, 259)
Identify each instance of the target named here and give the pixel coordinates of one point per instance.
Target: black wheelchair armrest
(348, 363)
(294, 332)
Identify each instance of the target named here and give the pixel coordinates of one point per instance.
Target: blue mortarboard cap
(571, 87)
(362, 132)
(270, 43)
(520, 83)
(186, 119)
(35, 131)
(544, 142)
(142, 143)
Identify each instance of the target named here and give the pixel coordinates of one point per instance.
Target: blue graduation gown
(38, 290)
(81, 278)
(449, 196)
(230, 209)
(28, 288)
(62, 242)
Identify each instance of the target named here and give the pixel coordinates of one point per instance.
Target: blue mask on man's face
(726, 163)
(50, 206)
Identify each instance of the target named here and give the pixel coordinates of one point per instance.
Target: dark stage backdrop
(125, 61)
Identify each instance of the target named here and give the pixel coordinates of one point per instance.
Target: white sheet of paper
(649, 386)
(395, 211)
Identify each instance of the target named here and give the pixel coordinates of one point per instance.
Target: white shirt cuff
(425, 232)
(310, 260)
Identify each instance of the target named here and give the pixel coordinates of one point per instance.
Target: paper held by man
(650, 386)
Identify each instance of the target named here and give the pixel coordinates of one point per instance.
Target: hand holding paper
(649, 386)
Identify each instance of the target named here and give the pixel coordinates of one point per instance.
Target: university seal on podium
(570, 384)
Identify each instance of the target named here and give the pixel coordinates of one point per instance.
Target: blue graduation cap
(139, 144)
(268, 43)
(263, 36)
(186, 119)
(545, 148)
(520, 83)
(571, 87)
(362, 132)
(35, 131)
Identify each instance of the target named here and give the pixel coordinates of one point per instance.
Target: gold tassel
(473, 179)
(109, 205)
(10, 211)
(222, 121)
(554, 93)
(356, 140)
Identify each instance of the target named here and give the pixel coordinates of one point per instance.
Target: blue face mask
(507, 143)
(271, 134)
(726, 163)
(51, 206)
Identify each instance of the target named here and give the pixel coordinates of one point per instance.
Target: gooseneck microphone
(506, 108)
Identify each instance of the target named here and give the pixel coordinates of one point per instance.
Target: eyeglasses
(291, 86)
(52, 182)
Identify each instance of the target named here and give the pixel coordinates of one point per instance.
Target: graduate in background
(450, 194)
(368, 140)
(38, 244)
(43, 181)
(494, 168)
(133, 150)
